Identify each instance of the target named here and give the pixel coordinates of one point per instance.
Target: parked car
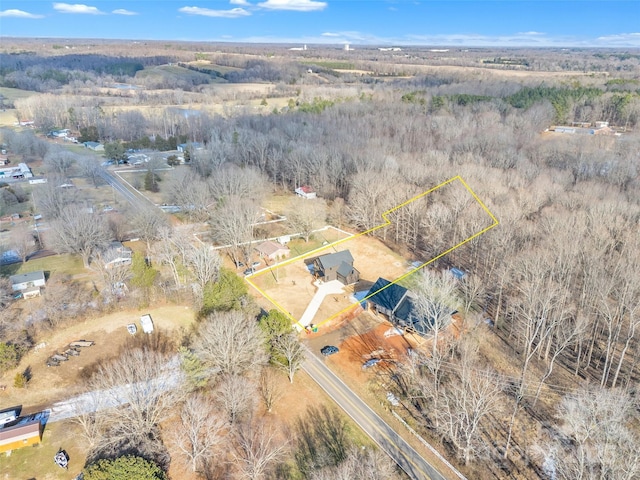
(255, 264)
(370, 363)
(329, 350)
(249, 271)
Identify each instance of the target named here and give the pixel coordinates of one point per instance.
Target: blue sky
(544, 23)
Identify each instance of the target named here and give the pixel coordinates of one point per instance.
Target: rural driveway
(386, 437)
(329, 288)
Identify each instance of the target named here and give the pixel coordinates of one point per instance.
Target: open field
(63, 264)
(37, 463)
(12, 94)
(50, 384)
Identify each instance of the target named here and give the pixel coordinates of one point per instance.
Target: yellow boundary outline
(386, 223)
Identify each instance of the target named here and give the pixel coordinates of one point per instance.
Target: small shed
(306, 192)
(272, 250)
(12, 438)
(24, 281)
(95, 146)
(186, 146)
(31, 292)
(146, 323)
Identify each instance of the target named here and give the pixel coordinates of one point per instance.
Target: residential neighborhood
(349, 260)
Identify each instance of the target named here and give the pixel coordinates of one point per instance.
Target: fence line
(429, 446)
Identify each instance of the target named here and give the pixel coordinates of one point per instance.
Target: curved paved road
(386, 437)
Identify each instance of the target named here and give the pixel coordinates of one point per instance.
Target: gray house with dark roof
(336, 266)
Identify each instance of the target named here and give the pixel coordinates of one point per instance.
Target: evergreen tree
(127, 467)
(225, 294)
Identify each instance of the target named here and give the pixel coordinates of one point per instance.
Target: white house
(24, 281)
(117, 255)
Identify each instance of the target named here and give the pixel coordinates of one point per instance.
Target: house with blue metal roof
(398, 304)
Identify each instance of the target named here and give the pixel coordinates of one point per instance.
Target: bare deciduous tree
(257, 450)
(232, 225)
(93, 424)
(198, 431)
(112, 272)
(360, 464)
(269, 388)
(230, 343)
(289, 354)
(22, 241)
(435, 302)
(141, 386)
(52, 198)
(59, 160)
(79, 232)
(466, 400)
(595, 440)
(190, 193)
(90, 169)
(205, 264)
(149, 223)
(304, 216)
(541, 308)
(235, 395)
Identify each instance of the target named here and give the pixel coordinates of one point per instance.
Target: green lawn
(36, 462)
(55, 264)
(12, 94)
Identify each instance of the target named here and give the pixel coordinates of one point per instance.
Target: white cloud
(19, 14)
(122, 11)
(531, 33)
(244, 3)
(621, 40)
(330, 34)
(295, 5)
(207, 12)
(76, 8)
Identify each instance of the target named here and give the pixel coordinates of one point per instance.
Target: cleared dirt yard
(291, 286)
(50, 384)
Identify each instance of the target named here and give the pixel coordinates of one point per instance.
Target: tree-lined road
(384, 435)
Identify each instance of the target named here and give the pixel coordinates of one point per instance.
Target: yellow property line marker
(386, 223)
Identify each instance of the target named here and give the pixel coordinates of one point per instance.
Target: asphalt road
(386, 437)
(117, 184)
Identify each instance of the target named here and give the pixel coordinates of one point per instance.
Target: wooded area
(543, 381)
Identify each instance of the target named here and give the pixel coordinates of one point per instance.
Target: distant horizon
(339, 46)
(419, 23)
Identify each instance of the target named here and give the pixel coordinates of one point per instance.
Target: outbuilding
(12, 438)
(272, 250)
(146, 323)
(306, 192)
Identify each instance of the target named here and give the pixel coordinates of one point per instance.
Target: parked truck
(146, 323)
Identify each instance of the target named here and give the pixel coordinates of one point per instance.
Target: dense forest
(558, 280)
